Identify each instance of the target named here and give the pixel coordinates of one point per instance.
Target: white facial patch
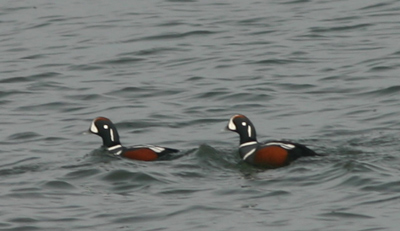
(93, 128)
(231, 125)
(105, 126)
(244, 124)
(249, 131)
(111, 133)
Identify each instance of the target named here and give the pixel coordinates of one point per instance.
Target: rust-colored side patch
(144, 154)
(272, 156)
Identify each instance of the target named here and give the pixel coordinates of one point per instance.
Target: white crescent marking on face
(231, 125)
(93, 128)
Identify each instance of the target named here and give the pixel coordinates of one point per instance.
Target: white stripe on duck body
(104, 128)
(270, 154)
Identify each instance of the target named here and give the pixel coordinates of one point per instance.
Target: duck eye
(244, 123)
(105, 126)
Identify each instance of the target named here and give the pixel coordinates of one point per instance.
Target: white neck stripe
(247, 144)
(114, 147)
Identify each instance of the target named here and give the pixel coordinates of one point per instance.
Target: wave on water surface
(172, 73)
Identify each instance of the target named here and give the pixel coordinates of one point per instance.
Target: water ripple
(323, 73)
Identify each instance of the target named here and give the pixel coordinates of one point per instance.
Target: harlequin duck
(104, 128)
(270, 154)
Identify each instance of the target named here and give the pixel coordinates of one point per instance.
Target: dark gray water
(323, 73)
